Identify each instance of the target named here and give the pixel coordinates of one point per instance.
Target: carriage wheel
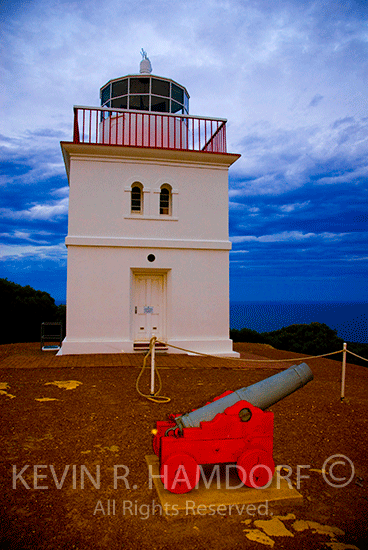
(255, 468)
(180, 473)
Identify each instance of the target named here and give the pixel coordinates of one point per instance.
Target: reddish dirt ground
(104, 422)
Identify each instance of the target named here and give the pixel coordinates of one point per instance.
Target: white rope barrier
(262, 360)
(250, 360)
(343, 369)
(156, 398)
(359, 356)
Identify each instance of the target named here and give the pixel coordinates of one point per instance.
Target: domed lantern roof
(145, 66)
(145, 92)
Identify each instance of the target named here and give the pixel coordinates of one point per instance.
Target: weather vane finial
(145, 66)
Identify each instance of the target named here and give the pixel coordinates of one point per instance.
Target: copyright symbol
(341, 461)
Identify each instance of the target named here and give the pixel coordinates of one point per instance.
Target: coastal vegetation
(308, 339)
(24, 309)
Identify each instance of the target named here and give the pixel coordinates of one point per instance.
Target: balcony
(120, 127)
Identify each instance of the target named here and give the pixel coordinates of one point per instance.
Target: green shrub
(247, 335)
(24, 309)
(312, 339)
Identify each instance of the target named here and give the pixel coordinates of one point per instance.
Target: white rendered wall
(99, 200)
(101, 307)
(107, 245)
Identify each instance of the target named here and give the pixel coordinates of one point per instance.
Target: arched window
(137, 198)
(165, 199)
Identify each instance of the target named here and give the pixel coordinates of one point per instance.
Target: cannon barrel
(264, 394)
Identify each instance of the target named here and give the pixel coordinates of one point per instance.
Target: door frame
(149, 272)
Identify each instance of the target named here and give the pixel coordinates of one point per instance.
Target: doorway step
(144, 346)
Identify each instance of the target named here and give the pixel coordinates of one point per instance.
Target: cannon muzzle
(264, 394)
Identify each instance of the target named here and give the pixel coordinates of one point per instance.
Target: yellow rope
(156, 398)
(359, 356)
(251, 360)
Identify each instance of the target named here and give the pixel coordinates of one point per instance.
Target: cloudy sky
(289, 75)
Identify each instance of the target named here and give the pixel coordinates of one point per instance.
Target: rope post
(343, 371)
(152, 346)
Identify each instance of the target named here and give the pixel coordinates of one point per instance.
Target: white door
(149, 306)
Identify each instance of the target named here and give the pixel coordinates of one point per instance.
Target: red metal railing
(146, 129)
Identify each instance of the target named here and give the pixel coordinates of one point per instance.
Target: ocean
(349, 319)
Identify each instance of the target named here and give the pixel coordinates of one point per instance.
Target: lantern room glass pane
(160, 87)
(177, 93)
(159, 104)
(105, 94)
(186, 103)
(139, 102)
(139, 85)
(120, 103)
(176, 107)
(119, 88)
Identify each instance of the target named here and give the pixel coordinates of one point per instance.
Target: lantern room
(145, 92)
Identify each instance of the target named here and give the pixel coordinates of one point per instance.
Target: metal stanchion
(343, 370)
(152, 344)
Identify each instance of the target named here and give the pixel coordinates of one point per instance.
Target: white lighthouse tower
(148, 245)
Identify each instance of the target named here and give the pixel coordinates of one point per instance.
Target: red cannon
(241, 433)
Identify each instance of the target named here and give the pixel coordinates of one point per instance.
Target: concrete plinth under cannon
(224, 498)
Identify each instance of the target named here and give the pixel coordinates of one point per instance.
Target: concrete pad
(224, 495)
